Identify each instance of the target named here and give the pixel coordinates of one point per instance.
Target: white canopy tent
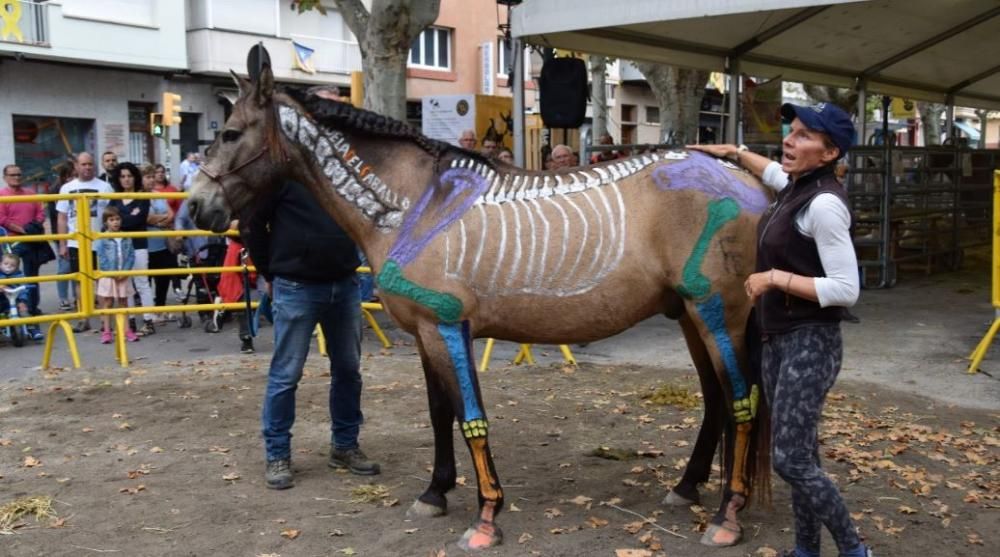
(945, 51)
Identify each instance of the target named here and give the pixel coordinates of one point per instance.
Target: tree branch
(356, 16)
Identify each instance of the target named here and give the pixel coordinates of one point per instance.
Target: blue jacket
(107, 255)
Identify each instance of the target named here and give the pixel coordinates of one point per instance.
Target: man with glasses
(23, 218)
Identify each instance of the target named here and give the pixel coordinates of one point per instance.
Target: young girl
(114, 254)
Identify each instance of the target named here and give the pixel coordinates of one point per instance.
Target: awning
(930, 50)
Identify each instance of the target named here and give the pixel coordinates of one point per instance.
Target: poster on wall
(42, 142)
(114, 139)
(762, 111)
(445, 117)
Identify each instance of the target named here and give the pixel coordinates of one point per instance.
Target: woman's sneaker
(106, 337)
(131, 336)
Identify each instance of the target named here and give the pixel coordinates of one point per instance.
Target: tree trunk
(384, 37)
(930, 117)
(598, 97)
(679, 92)
(983, 116)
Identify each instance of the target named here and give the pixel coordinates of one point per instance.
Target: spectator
(85, 182)
(604, 156)
(467, 140)
(490, 147)
(160, 217)
(109, 161)
(562, 157)
(114, 254)
(65, 172)
(134, 216)
(506, 156)
(10, 267)
(164, 186)
(310, 265)
(25, 218)
(232, 286)
(189, 168)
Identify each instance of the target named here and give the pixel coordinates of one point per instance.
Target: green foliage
(307, 5)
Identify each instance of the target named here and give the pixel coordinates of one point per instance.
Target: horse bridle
(218, 177)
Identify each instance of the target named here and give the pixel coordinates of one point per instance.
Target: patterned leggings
(799, 367)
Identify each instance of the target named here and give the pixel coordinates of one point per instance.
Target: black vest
(781, 246)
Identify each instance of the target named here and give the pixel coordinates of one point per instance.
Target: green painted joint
(446, 307)
(695, 285)
(745, 409)
(474, 428)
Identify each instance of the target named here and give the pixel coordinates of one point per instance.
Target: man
(562, 157)
(109, 161)
(490, 147)
(467, 140)
(310, 265)
(23, 218)
(188, 169)
(85, 182)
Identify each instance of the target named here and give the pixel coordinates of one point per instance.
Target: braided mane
(342, 116)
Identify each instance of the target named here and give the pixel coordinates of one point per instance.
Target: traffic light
(155, 124)
(171, 109)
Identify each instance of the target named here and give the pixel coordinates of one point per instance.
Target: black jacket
(292, 237)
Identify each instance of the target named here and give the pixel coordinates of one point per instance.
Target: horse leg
(433, 501)
(725, 336)
(699, 467)
(449, 347)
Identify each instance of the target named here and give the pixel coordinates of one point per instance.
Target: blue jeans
(298, 307)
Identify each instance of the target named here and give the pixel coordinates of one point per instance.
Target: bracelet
(788, 285)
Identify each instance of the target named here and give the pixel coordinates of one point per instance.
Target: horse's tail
(759, 454)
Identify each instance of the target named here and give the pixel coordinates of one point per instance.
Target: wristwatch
(739, 150)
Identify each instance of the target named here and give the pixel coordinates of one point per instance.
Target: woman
(162, 185)
(65, 172)
(161, 217)
(807, 274)
(506, 156)
(135, 214)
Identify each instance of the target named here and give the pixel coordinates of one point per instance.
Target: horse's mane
(343, 116)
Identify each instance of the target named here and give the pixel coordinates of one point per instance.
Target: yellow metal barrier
(523, 355)
(87, 275)
(984, 345)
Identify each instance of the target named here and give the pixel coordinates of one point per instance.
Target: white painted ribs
(525, 236)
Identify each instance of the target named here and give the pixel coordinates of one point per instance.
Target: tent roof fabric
(929, 50)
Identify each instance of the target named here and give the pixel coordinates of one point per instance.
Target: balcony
(24, 23)
(218, 38)
(146, 33)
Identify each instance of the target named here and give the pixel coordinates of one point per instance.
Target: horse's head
(245, 160)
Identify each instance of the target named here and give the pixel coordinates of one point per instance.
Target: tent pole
(732, 123)
(949, 118)
(517, 49)
(862, 113)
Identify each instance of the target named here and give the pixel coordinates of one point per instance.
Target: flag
(303, 57)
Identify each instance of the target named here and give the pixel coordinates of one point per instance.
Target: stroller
(204, 287)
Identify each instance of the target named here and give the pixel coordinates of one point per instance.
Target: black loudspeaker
(564, 91)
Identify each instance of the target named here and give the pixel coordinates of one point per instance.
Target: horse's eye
(229, 136)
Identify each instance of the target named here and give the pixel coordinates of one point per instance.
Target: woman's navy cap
(824, 117)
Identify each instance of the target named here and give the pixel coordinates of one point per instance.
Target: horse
(463, 247)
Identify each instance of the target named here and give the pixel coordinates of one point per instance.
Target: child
(114, 254)
(10, 267)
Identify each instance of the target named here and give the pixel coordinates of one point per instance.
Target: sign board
(445, 117)
(487, 69)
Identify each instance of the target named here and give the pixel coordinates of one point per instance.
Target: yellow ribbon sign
(10, 13)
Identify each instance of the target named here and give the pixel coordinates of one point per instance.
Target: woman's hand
(723, 151)
(759, 283)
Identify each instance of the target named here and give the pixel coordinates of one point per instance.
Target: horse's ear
(242, 85)
(265, 86)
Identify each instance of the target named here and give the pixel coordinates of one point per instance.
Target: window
(652, 114)
(504, 57)
(432, 49)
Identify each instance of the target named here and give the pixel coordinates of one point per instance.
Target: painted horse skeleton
(465, 248)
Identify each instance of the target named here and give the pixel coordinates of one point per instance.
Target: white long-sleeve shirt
(827, 221)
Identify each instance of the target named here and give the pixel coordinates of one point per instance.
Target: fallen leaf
(633, 553)
(907, 510)
(552, 513)
(765, 552)
(411, 530)
(124, 425)
(524, 537)
(595, 522)
(514, 508)
(231, 477)
(290, 533)
(156, 450)
(974, 539)
(581, 500)
(460, 481)
(634, 527)
(348, 551)
(31, 462)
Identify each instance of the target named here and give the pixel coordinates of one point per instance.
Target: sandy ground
(167, 460)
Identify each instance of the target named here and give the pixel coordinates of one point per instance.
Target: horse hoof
(419, 509)
(720, 535)
(483, 535)
(674, 499)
